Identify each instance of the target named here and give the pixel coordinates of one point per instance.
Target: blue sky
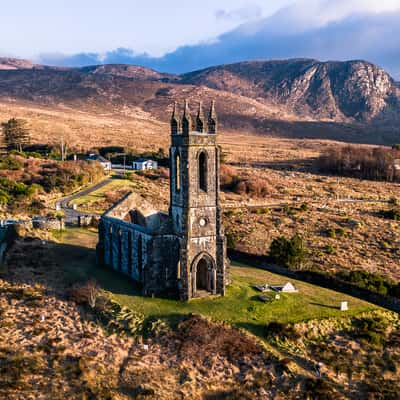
(153, 26)
(178, 36)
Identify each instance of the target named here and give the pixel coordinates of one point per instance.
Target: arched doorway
(203, 275)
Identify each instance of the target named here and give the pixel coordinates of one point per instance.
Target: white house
(143, 164)
(106, 164)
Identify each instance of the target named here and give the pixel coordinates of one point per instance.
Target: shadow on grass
(325, 306)
(58, 266)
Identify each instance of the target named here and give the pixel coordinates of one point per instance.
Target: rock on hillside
(129, 71)
(339, 91)
(7, 63)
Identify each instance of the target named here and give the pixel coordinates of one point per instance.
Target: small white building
(289, 288)
(144, 164)
(106, 164)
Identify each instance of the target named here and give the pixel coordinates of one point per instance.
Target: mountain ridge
(264, 96)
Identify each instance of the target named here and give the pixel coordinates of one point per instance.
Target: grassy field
(240, 307)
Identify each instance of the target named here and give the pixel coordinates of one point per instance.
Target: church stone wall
(150, 260)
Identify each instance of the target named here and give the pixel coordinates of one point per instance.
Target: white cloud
(303, 15)
(240, 14)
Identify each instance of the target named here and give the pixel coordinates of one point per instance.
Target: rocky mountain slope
(300, 97)
(355, 90)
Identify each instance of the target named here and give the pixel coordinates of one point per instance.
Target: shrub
(231, 240)
(383, 389)
(87, 293)
(283, 331)
(330, 249)
(318, 389)
(10, 163)
(261, 211)
(331, 232)
(253, 186)
(393, 214)
(290, 253)
(367, 280)
(371, 330)
(304, 207)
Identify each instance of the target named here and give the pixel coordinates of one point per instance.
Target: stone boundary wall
(319, 279)
(47, 224)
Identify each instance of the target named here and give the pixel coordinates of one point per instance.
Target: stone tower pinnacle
(187, 119)
(200, 119)
(175, 121)
(212, 119)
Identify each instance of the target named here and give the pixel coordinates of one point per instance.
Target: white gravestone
(344, 306)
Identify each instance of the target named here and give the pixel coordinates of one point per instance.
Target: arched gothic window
(140, 258)
(203, 171)
(177, 172)
(129, 253)
(119, 266)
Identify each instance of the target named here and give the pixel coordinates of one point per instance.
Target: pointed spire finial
(212, 119)
(175, 121)
(200, 119)
(187, 119)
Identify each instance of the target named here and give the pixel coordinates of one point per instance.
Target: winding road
(72, 215)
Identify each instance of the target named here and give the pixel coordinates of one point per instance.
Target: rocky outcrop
(7, 63)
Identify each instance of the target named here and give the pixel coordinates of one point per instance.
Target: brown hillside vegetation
(50, 347)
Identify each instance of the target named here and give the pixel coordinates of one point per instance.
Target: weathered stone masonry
(184, 252)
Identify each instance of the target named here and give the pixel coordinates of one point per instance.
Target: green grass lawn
(240, 307)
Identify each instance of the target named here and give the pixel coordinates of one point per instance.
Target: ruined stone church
(181, 253)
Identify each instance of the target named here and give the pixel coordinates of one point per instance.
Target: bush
(366, 280)
(253, 186)
(231, 240)
(330, 249)
(10, 163)
(371, 330)
(304, 207)
(283, 331)
(335, 232)
(87, 293)
(318, 389)
(393, 214)
(290, 253)
(361, 162)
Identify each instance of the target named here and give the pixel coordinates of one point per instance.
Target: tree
(290, 253)
(16, 134)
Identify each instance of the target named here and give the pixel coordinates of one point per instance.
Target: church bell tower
(194, 207)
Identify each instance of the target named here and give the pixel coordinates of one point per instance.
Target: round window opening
(203, 222)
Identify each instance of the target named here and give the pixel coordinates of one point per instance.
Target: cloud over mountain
(323, 29)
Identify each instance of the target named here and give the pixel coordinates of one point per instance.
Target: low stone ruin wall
(47, 224)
